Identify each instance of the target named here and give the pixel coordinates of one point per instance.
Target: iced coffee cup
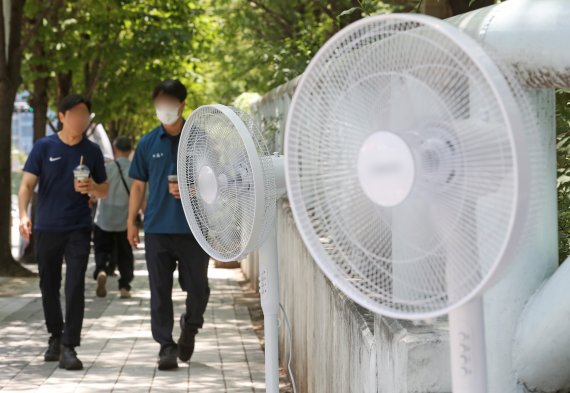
(173, 184)
(80, 173)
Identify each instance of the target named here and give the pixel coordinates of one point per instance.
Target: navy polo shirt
(154, 160)
(60, 208)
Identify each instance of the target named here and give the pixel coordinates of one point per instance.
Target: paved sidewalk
(118, 352)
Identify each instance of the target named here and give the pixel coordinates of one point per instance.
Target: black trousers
(113, 249)
(51, 248)
(162, 253)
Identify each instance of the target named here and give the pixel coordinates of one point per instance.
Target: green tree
(154, 42)
(111, 51)
(257, 45)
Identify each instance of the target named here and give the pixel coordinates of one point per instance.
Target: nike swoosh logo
(52, 159)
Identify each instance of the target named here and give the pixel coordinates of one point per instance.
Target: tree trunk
(10, 79)
(64, 82)
(463, 6)
(120, 127)
(437, 8)
(113, 130)
(39, 102)
(8, 266)
(92, 72)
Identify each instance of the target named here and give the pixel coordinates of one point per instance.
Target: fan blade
(416, 254)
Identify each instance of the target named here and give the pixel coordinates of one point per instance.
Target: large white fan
(229, 185)
(408, 164)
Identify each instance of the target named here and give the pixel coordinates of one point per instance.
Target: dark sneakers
(53, 351)
(167, 357)
(169, 353)
(68, 359)
(186, 341)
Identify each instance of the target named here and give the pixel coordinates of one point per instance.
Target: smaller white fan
(229, 185)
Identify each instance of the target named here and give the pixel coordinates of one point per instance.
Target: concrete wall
(270, 111)
(412, 357)
(333, 344)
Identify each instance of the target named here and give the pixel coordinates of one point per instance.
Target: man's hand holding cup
(83, 183)
(173, 186)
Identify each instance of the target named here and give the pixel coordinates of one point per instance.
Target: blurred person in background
(110, 241)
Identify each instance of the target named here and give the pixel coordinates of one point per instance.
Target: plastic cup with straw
(81, 172)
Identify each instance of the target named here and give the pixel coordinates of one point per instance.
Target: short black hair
(171, 87)
(71, 101)
(123, 143)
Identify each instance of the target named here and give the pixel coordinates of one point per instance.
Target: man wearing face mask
(168, 240)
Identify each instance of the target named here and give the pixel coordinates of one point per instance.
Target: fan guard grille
(227, 142)
(468, 123)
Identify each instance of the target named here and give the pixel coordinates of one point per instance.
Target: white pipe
(269, 291)
(542, 341)
(529, 35)
(467, 344)
(537, 260)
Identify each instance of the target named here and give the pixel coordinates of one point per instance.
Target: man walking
(112, 247)
(168, 239)
(68, 168)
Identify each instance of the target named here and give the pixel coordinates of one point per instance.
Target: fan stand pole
(467, 342)
(269, 290)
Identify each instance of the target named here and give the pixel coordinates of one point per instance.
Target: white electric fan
(408, 156)
(229, 185)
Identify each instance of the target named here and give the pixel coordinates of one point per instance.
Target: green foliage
(244, 100)
(15, 179)
(563, 158)
(115, 51)
(256, 45)
(153, 43)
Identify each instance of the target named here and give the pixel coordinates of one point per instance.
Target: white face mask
(167, 115)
